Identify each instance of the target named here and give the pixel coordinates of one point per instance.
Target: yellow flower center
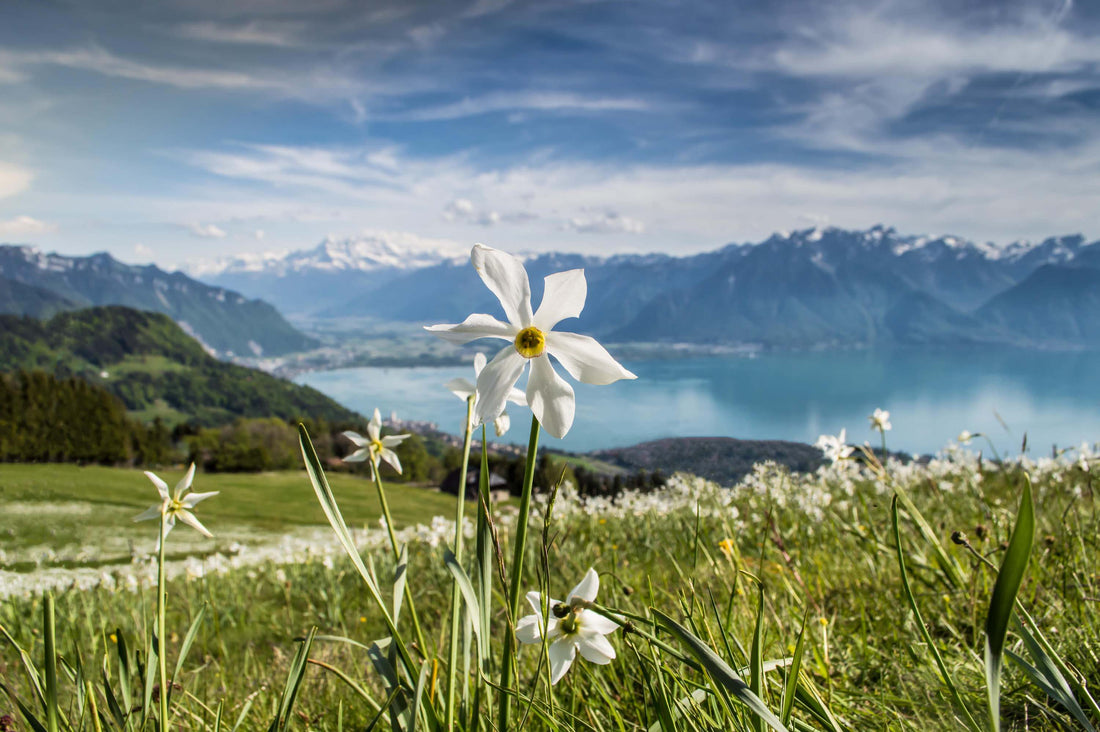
(175, 506)
(376, 446)
(569, 624)
(530, 342)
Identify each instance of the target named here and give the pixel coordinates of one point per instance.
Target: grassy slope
(68, 506)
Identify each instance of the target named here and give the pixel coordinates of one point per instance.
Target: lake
(932, 395)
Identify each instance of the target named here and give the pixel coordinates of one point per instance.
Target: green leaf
(188, 639)
(293, 684)
(1009, 578)
(720, 672)
(756, 658)
(1045, 675)
(791, 684)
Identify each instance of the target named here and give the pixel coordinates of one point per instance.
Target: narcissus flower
(464, 389)
(375, 446)
(834, 447)
(532, 339)
(572, 626)
(880, 420)
(176, 505)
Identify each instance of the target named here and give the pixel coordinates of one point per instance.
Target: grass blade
(49, 636)
(948, 680)
(720, 672)
(1009, 578)
(293, 684)
(188, 639)
(756, 659)
(791, 684)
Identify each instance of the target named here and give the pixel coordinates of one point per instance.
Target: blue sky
(189, 129)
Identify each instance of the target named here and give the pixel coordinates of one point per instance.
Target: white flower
(176, 505)
(376, 447)
(880, 420)
(464, 389)
(965, 437)
(571, 627)
(834, 447)
(531, 339)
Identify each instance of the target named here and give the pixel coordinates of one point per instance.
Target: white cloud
(206, 231)
(526, 101)
(25, 226)
(142, 252)
(258, 33)
(604, 223)
(259, 234)
(13, 179)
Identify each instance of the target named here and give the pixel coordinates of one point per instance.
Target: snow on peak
(367, 252)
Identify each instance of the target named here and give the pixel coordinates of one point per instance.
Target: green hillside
(156, 369)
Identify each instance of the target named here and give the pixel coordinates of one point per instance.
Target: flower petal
(358, 456)
(494, 382)
(374, 427)
(476, 326)
(479, 362)
(562, 297)
(534, 599)
(391, 457)
(595, 648)
(506, 278)
(185, 481)
(596, 623)
(529, 629)
(550, 398)
(587, 588)
(461, 388)
(502, 424)
(162, 487)
(585, 359)
(562, 653)
(515, 396)
(191, 499)
(150, 513)
(189, 518)
(394, 440)
(357, 438)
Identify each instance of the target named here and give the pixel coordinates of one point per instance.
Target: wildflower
(176, 505)
(834, 447)
(880, 420)
(965, 437)
(571, 627)
(532, 339)
(726, 545)
(464, 389)
(376, 447)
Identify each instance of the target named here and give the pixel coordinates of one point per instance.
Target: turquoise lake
(932, 395)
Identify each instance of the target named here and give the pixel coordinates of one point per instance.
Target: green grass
(822, 547)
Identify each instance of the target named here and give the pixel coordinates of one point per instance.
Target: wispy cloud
(604, 223)
(25, 226)
(206, 231)
(253, 33)
(521, 101)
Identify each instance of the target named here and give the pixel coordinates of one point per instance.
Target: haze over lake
(932, 395)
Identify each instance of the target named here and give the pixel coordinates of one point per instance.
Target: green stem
(460, 510)
(162, 599)
(376, 474)
(50, 637)
(508, 671)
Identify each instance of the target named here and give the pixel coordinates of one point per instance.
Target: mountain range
(225, 322)
(816, 287)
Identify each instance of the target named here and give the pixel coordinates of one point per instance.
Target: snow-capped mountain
(333, 272)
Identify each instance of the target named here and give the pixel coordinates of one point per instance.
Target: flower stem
(508, 670)
(162, 599)
(460, 509)
(375, 473)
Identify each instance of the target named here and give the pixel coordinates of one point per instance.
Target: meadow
(793, 581)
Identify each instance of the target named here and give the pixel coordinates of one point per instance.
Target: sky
(184, 130)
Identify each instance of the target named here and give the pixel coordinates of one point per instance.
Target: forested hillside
(154, 368)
